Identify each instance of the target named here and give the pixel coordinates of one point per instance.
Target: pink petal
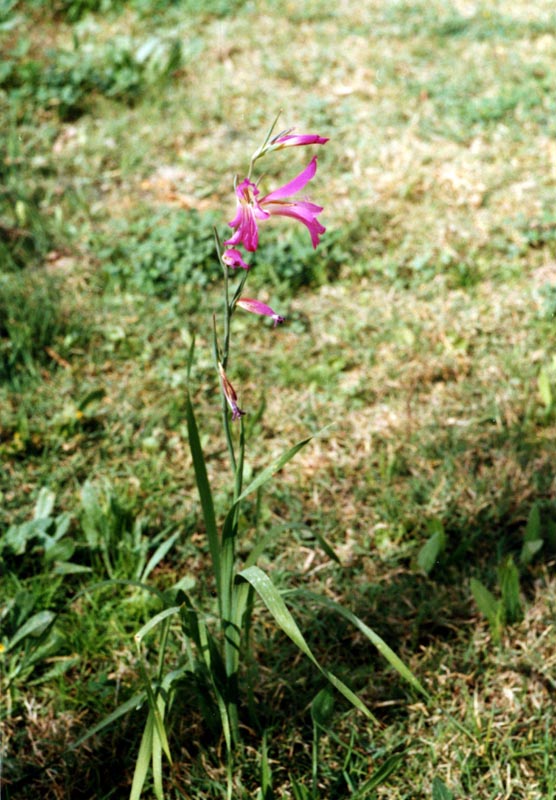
(294, 140)
(257, 307)
(303, 211)
(293, 186)
(233, 259)
(247, 232)
(246, 191)
(244, 222)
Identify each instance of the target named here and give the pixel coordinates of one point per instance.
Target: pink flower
(229, 394)
(256, 307)
(233, 259)
(288, 139)
(250, 210)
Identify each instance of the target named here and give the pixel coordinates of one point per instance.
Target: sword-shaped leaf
(274, 602)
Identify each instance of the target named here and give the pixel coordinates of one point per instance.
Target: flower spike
(229, 394)
(256, 307)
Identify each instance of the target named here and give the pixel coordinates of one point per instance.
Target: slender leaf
(325, 546)
(239, 288)
(227, 562)
(93, 520)
(508, 577)
(143, 759)
(322, 708)
(185, 584)
(277, 465)
(154, 621)
(386, 651)
(487, 602)
(533, 527)
(432, 549)
(300, 792)
(440, 791)
(174, 675)
(224, 719)
(63, 522)
(259, 548)
(157, 755)
(130, 705)
(550, 530)
(153, 706)
(270, 130)
(90, 397)
(532, 540)
(190, 620)
(274, 602)
(530, 550)
(160, 732)
(58, 551)
(203, 487)
(17, 537)
(44, 504)
(35, 626)
(159, 554)
(68, 568)
(190, 354)
(380, 775)
(265, 792)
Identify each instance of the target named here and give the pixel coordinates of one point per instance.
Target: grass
(418, 332)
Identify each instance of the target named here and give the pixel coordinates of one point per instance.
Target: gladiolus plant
(217, 638)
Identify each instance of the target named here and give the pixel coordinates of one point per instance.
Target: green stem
(225, 418)
(238, 485)
(231, 606)
(227, 317)
(229, 777)
(162, 648)
(223, 355)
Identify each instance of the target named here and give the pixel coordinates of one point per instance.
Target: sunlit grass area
(418, 350)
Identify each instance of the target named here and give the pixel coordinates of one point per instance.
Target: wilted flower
(256, 307)
(279, 203)
(233, 259)
(289, 139)
(229, 394)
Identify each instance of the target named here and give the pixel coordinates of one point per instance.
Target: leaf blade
(277, 465)
(143, 759)
(35, 626)
(124, 708)
(203, 487)
(384, 649)
(275, 604)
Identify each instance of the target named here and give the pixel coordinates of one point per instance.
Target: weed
(160, 255)
(25, 233)
(123, 70)
(34, 325)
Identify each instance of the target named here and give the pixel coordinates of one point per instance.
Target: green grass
(421, 332)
